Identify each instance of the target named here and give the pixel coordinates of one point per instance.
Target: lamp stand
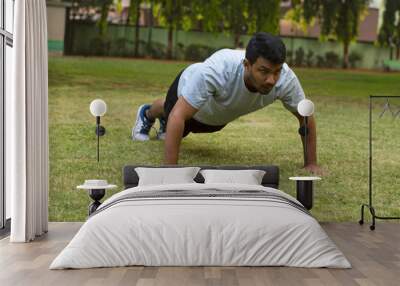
(305, 139)
(100, 131)
(96, 195)
(304, 193)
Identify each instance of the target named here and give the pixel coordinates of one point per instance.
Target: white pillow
(163, 176)
(249, 177)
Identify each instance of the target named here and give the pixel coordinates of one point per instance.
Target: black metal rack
(369, 205)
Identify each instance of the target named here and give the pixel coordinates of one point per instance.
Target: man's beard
(266, 90)
(260, 89)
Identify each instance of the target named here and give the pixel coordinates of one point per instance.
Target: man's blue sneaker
(141, 129)
(163, 129)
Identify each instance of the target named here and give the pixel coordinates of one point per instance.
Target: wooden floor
(375, 256)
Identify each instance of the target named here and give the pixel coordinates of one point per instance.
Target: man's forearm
(175, 128)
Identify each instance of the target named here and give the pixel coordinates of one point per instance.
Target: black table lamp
(98, 108)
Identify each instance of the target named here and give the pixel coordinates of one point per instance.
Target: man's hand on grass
(316, 170)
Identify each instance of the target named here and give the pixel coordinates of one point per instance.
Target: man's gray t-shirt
(216, 88)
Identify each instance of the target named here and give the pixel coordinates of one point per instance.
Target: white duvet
(200, 231)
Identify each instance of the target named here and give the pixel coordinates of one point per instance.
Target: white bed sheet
(200, 232)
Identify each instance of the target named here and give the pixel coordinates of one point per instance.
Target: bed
(201, 224)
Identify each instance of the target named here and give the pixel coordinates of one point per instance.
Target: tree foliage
(338, 19)
(208, 15)
(235, 18)
(389, 34)
(104, 7)
(250, 16)
(265, 15)
(174, 14)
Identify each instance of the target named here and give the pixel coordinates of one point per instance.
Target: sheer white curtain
(27, 123)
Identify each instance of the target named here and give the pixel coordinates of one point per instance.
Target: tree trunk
(103, 20)
(398, 53)
(137, 29)
(237, 39)
(150, 34)
(170, 42)
(345, 55)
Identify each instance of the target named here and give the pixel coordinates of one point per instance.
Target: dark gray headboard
(270, 179)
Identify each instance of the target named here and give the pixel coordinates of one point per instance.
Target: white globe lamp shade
(98, 107)
(305, 107)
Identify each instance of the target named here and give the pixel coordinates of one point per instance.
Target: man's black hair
(267, 46)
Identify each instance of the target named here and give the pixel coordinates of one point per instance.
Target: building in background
(56, 16)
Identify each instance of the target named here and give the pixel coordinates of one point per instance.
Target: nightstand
(97, 190)
(304, 190)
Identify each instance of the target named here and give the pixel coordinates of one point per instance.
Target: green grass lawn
(268, 136)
